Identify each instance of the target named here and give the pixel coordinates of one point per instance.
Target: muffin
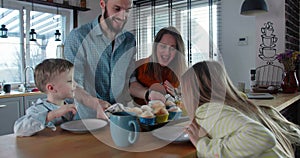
(174, 113)
(136, 110)
(147, 118)
(174, 109)
(154, 104)
(146, 108)
(162, 115)
(179, 103)
(169, 104)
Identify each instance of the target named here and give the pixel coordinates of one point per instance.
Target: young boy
(54, 78)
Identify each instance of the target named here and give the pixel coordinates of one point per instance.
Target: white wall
(88, 16)
(276, 15)
(240, 59)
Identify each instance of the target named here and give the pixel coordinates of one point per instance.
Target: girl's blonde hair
(208, 81)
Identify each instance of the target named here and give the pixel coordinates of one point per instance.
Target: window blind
(197, 20)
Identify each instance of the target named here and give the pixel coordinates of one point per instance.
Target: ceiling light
(253, 7)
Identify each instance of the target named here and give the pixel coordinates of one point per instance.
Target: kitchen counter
(287, 104)
(280, 101)
(15, 93)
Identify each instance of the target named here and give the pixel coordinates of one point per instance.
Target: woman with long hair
(159, 73)
(226, 124)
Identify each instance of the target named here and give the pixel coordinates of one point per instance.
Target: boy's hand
(61, 111)
(67, 108)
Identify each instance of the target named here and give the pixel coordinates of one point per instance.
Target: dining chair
(269, 75)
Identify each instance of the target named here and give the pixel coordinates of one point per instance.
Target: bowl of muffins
(156, 114)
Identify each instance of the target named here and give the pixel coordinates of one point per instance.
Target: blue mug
(124, 128)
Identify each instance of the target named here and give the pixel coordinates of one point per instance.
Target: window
(197, 20)
(19, 51)
(45, 25)
(10, 65)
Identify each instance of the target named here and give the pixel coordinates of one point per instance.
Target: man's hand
(102, 105)
(93, 102)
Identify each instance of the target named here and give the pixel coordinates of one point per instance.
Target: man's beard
(109, 24)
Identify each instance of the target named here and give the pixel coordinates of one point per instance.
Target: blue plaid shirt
(101, 70)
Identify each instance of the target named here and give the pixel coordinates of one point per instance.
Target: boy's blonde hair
(48, 69)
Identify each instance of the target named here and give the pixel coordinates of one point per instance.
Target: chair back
(267, 75)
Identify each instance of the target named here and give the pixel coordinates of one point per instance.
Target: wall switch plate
(242, 41)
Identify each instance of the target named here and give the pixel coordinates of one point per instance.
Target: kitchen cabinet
(10, 110)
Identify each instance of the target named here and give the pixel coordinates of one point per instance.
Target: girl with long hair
(227, 124)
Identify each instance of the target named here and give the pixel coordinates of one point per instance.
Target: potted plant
(289, 59)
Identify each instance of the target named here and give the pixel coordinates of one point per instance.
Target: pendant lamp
(3, 29)
(3, 32)
(253, 7)
(57, 35)
(32, 35)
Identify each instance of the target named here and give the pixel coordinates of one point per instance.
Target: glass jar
(290, 82)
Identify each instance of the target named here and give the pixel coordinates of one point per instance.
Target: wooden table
(66, 144)
(280, 101)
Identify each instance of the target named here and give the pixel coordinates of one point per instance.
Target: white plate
(84, 125)
(171, 134)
